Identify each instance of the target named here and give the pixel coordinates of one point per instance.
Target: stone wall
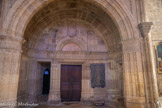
(23, 79)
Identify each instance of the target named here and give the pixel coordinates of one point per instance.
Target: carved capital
(145, 28)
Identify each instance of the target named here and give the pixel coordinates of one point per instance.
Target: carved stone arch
(67, 40)
(22, 11)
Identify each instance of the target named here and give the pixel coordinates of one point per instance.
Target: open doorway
(45, 69)
(46, 81)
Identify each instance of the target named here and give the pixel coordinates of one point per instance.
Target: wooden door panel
(76, 86)
(65, 85)
(76, 73)
(71, 82)
(76, 96)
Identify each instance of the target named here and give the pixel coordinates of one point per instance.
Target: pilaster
(86, 83)
(134, 91)
(54, 95)
(10, 56)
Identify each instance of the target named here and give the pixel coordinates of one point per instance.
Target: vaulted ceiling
(85, 10)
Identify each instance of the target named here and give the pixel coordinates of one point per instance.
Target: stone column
(10, 56)
(54, 95)
(149, 68)
(86, 83)
(133, 76)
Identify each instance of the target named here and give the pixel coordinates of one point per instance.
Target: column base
(134, 105)
(54, 97)
(135, 102)
(31, 98)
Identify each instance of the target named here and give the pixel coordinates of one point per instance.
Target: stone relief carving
(82, 34)
(53, 32)
(94, 42)
(48, 41)
(72, 29)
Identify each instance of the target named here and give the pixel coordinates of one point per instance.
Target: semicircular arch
(22, 11)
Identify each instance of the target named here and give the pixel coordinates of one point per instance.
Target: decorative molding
(6, 37)
(19, 8)
(10, 43)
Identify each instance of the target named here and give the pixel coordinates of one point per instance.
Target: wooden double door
(71, 76)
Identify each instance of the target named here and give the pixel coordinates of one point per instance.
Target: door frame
(38, 62)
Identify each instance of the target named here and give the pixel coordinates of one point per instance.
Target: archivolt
(23, 10)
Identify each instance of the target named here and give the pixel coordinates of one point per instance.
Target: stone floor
(76, 105)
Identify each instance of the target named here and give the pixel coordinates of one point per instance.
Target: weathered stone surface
(81, 32)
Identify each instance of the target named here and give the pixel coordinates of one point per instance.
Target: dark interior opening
(45, 68)
(46, 81)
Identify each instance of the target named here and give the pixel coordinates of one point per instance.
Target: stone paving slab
(71, 106)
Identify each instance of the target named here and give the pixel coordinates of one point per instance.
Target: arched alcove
(68, 32)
